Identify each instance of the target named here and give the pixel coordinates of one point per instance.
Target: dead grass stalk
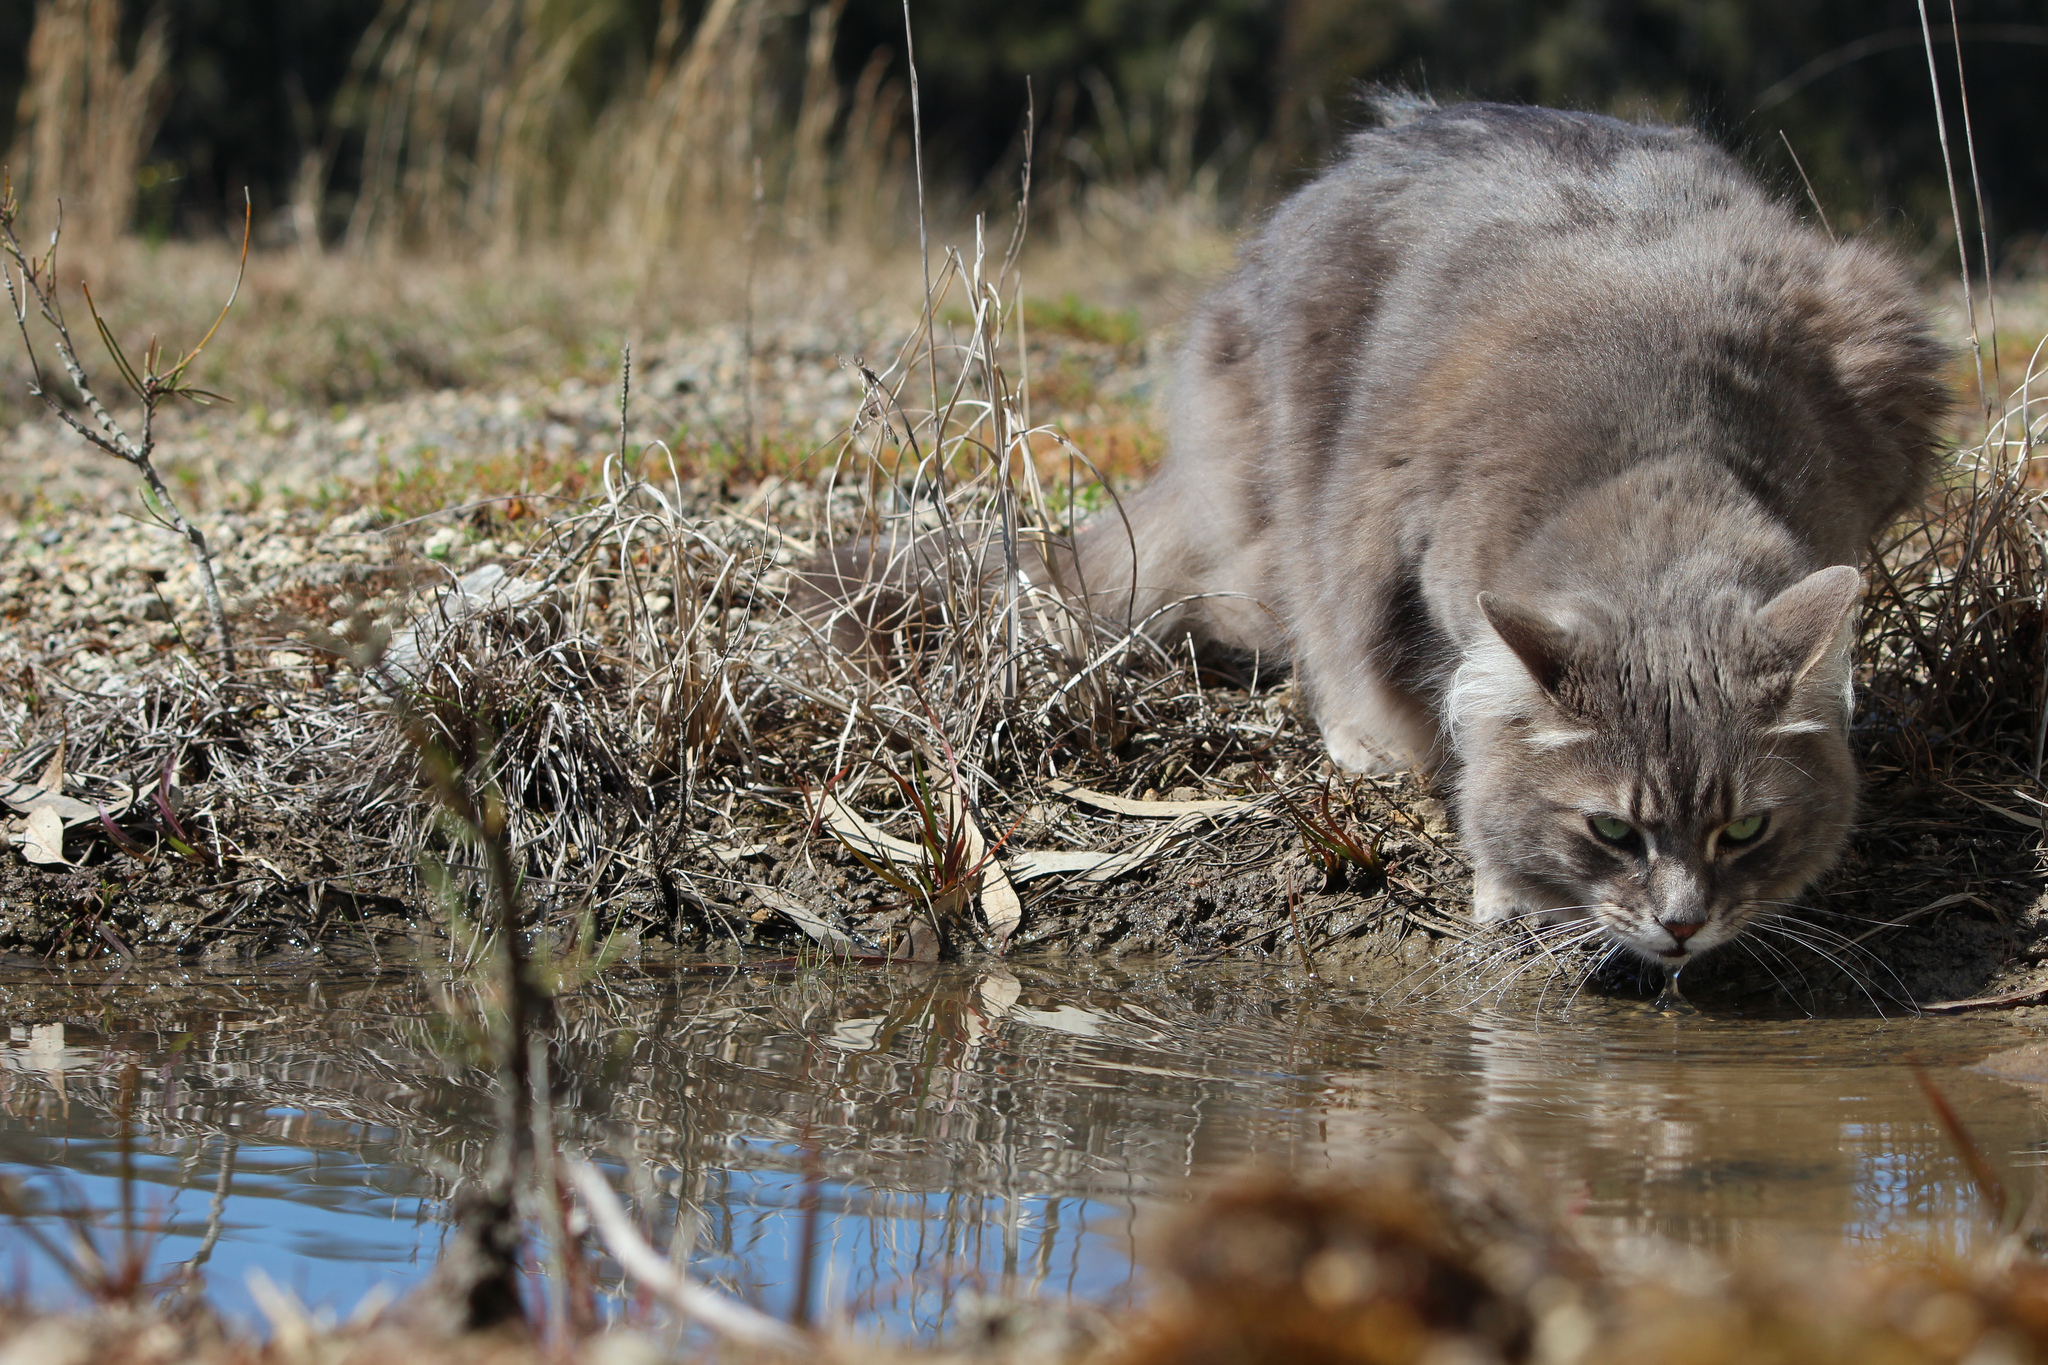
(89, 118)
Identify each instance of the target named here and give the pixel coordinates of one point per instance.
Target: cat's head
(1670, 770)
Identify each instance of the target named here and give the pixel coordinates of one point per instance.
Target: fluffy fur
(1537, 441)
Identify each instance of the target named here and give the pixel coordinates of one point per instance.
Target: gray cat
(1545, 445)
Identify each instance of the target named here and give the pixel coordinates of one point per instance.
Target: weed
(1347, 861)
(32, 287)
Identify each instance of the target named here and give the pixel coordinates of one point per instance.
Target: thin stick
(1955, 204)
(747, 374)
(666, 1281)
(924, 249)
(1811, 197)
(1982, 1173)
(37, 278)
(1977, 191)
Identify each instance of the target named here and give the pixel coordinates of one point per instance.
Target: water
(997, 1131)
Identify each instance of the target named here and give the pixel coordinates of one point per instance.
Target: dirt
(294, 819)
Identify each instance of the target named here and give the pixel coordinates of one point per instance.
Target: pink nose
(1681, 930)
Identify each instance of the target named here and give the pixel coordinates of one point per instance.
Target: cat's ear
(1807, 618)
(1544, 647)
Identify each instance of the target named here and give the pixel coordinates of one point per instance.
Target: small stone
(444, 544)
(1430, 811)
(354, 523)
(145, 606)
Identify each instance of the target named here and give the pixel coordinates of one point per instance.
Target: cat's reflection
(1696, 1131)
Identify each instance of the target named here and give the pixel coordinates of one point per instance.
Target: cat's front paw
(1356, 755)
(1494, 898)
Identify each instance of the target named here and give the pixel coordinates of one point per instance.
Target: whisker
(1821, 948)
(1751, 945)
(1597, 968)
(1831, 914)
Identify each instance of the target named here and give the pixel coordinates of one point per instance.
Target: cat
(1546, 446)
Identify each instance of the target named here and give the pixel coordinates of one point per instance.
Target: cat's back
(1514, 303)
(1442, 218)
(1495, 182)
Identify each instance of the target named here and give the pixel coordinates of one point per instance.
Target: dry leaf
(1050, 862)
(805, 918)
(47, 793)
(918, 941)
(42, 837)
(1155, 810)
(1001, 908)
(871, 841)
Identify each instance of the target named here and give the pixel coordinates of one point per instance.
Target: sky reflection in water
(998, 1131)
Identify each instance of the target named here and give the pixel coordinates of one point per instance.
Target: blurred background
(449, 123)
(450, 194)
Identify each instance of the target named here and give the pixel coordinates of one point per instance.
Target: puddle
(959, 1131)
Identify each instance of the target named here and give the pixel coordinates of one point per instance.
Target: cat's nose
(1680, 929)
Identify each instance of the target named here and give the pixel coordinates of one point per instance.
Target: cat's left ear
(1808, 618)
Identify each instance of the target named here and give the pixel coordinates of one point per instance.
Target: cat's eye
(1743, 831)
(1612, 830)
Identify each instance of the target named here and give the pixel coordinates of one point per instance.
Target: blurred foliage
(1253, 92)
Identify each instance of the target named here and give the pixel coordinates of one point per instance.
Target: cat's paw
(1494, 898)
(1356, 755)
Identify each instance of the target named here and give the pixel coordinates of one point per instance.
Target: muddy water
(958, 1131)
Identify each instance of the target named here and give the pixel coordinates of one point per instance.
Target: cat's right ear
(1543, 646)
(1810, 619)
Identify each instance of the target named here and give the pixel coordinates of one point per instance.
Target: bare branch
(37, 281)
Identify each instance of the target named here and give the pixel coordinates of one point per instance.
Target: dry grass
(88, 118)
(480, 125)
(1452, 1260)
(1955, 640)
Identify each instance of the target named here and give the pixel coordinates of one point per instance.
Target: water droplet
(1670, 1000)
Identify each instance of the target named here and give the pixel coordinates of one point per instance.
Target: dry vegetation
(679, 758)
(581, 656)
(1399, 1266)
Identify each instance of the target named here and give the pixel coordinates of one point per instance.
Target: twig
(34, 281)
(1955, 204)
(666, 1281)
(1982, 1173)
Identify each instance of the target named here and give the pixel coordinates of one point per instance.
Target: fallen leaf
(47, 793)
(2032, 995)
(1001, 908)
(805, 918)
(918, 942)
(849, 826)
(1154, 810)
(1050, 862)
(42, 837)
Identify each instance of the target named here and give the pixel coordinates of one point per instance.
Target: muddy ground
(281, 816)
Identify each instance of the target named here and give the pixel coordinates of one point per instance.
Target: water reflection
(996, 1131)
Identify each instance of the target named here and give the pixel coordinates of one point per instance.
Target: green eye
(1612, 830)
(1742, 831)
